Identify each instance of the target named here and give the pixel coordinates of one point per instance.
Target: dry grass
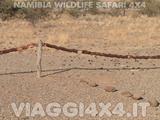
(7, 11)
(113, 32)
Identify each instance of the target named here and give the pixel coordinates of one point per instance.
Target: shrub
(8, 11)
(33, 14)
(152, 8)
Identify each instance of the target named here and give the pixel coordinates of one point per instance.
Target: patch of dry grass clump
(152, 8)
(8, 11)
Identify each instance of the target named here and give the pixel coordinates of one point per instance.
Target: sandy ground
(138, 36)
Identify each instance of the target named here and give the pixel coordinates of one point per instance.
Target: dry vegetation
(131, 31)
(7, 11)
(112, 32)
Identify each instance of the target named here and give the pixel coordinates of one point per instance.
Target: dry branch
(31, 45)
(82, 51)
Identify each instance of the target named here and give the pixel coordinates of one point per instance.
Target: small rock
(109, 88)
(137, 97)
(126, 94)
(83, 81)
(153, 102)
(92, 84)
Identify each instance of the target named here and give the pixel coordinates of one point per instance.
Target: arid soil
(64, 74)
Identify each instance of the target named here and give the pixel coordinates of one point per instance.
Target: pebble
(92, 84)
(137, 96)
(83, 81)
(153, 102)
(126, 94)
(109, 88)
